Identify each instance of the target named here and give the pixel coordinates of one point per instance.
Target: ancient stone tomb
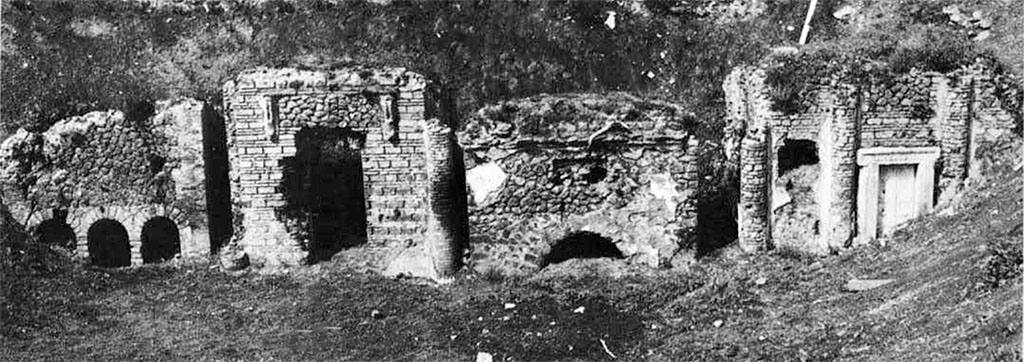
(121, 189)
(558, 177)
(325, 160)
(852, 161)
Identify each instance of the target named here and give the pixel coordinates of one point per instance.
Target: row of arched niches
(104, 239)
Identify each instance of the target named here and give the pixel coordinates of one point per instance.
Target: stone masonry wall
(955, 111)
(539, 169)
(105, 166)
(385, 108)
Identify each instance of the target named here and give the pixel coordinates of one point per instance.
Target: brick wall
(385, 107)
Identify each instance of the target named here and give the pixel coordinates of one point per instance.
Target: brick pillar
(838, 220)
(953, 118)
(755, 158)
(441, 236)
(755, 199)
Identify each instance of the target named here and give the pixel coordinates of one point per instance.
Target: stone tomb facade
(580, 175)
(855, 160)
(325, 160)
(119, 189)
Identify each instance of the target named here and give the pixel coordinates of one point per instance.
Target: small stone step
(859, 285)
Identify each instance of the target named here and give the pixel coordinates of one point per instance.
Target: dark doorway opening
(108, 244)
(160, 240)
(581, 245)
(324, 190)
(56, 231)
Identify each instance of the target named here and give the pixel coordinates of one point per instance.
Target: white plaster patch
(664, 188)
(484, 180)
(780, 198)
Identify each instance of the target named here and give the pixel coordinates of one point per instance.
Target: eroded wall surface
(956, 113)
(539, 169)
(103, 165)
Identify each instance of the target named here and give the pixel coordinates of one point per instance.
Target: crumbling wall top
(352, 79)
(576, 119)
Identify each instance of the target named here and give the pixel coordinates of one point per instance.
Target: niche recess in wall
(581, 245)
(108, 244)
(794, 198)
(56, 231)
(160, 240)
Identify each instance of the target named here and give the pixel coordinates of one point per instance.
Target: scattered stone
(484, 357)
(718, 323)
(579, 310)
(510, 305)
(232, 258)
(761, 281)
(859, 285)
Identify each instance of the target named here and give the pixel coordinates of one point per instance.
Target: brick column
(953, 118)
(755, 199)
(838, 222)
(441, 235)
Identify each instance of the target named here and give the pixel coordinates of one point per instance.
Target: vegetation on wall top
(879, 42)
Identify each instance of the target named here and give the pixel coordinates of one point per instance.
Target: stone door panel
(897, 196)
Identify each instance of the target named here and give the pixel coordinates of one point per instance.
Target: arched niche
(108, 244)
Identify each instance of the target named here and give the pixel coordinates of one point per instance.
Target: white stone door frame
(869, 160)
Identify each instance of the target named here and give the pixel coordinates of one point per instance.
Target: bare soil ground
(956, 296)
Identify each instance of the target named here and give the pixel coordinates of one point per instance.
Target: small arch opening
(56, 231)
(581, 245)
(161, 240)
(108, 244)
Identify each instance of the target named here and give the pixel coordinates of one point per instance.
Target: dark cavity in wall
(324, 194)
(108, 244)
(160, 240)
(716, 216)
(56, 231)
(796, 153)
(581, 245)
(218, 185)
(460, 215)
(139, 112)
(797, 221)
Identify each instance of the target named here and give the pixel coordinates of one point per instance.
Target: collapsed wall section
(108, 166)
(543, 169)
(304, 144)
